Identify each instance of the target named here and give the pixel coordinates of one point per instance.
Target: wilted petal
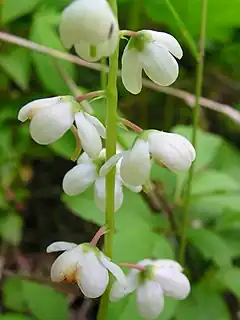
(168, 41)
(61, 246)
(50, 124)
(174, 283)
(136, 164)
(100, 194)
(110, 164)
(79, 178)
(114, 269)
(159, 65)
(173, 150)
(97, 124)
(92, 277)
(131, 70)
(66, 264)
(90, 139)
(150, 300)
(87, 21)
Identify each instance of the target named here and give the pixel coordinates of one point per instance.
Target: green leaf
(229, 220)
(11, 228)
(230, 278)
(222, 15)
(211, 246)
(14, 316)
(12, 295)
(43, 32)
(17, 65)
(44, 302)
(12, 9)
(65, 146)
(202, 304)
(211, 181)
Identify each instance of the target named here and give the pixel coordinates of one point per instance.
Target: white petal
(174, 283)
(173, 150)
(50, 124)
(83, 20)
(159, 65)
(168, 264)
(61, 246)
(136, 189)
(110, 164)
(120, 289)
(92, 277)
(114, 269)
(90, 139)
(150, 300)
(100, 194)
(97, 124)
(136, 164)
(79, 178)
(131, 70)
(66, 264)
(32, 107)
(84, 158)
(168, 41)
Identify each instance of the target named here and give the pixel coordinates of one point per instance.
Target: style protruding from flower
(91, 27)
(154, 52)
(51, 118)
(86, 265)
(170, 149)
(159, 278)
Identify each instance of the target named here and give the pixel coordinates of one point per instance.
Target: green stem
(111, 139)
(199, 81)
(191, 43)
(134, 14)
(103, 74)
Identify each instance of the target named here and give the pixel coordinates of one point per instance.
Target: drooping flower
(50, 119)
(154, 53)
(91, 27)
(158, 278)
(171, 149)
(84, 264)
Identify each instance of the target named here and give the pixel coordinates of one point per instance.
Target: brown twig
(181, 94)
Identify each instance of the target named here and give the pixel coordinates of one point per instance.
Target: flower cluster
(92, 28)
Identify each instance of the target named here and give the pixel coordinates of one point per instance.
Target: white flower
(86, 265)
(91, 27)
(172, 149)
(84, 174)
(153, 52)
(160, 277)
(50, 118)
(135, 164)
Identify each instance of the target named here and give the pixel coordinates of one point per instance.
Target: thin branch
(181, 94)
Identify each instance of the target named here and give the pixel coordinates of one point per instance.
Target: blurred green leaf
(203, 303)
(211, 181)
(211, 246)
(44, 302)
(43, 32)
(65, 146)
(17, 65)
(230, 278)
(14, 316)
(11, 228)
(12, 294)
(229, 220)
(12, 9)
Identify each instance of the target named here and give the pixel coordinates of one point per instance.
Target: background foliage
(34, 212)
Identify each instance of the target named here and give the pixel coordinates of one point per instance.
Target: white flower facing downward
(91, 27)
(154, 53)
(84, 174)
(160, 277)
(173, 150)
(50, 118)
(86, 265)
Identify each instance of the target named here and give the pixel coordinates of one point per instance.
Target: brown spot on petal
(71, 277)
(110, 31)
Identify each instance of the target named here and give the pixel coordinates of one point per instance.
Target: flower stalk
(111, 139)
(90, 95)
(199, 81)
